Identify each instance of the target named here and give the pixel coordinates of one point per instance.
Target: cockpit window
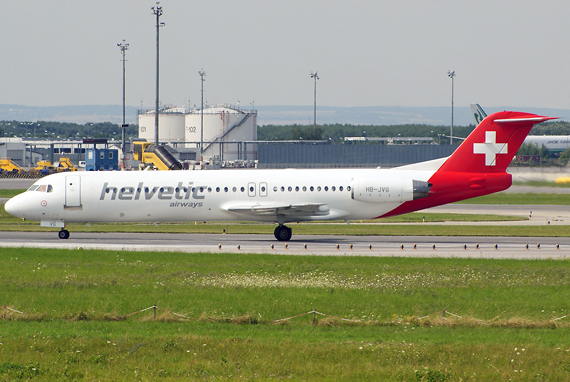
(41, 188)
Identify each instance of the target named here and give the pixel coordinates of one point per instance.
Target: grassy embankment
(76, 302)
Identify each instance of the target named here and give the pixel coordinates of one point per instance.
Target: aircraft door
(262, 189)
(251, 189)
(72, 191)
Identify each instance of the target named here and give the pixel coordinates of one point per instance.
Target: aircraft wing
(271, 209)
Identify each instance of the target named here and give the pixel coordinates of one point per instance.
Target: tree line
(330, 132)
(337, 132)
(65, 130)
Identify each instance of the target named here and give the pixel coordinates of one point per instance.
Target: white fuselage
(216, 195)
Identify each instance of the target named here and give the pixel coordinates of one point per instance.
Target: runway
(317, 245)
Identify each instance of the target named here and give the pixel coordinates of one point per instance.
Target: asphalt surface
(380, 246)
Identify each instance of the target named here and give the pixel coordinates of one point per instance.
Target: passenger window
(304, 188)
(251, 189)
(217, 189)
(225, 189)
(312, 188)
(209, 189)
(290, 188)
(242, 189)
(348, 188)
(274, 188)
(340, 188)
(282, 188)
(333, 188)
(318, 188)
(296, 188)
(326, 188)
(234, 189)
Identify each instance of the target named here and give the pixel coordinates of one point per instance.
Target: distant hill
(385, 115)
(278, 115)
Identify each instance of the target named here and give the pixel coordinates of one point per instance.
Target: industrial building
(323, 154)
(225, 128)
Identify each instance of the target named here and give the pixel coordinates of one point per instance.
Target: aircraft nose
(12, 207)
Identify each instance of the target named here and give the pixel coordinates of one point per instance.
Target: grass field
(75, 302)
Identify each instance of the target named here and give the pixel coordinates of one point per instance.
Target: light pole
(157, 11)
(451, 74)
(124, 47)
(316, 77)
(202, 73)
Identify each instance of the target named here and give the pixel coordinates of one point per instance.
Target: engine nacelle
(380, 190)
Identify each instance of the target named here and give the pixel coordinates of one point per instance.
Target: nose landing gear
(63, 234)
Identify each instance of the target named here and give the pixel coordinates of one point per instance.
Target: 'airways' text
(186, 204)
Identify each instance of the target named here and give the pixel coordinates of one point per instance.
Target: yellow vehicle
(65, 165)
(157, 156)
(6, 165)
(44, 167)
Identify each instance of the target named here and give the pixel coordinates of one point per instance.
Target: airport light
(316, 77)
(202, 73)
(451, 74)
(124, 47)
(157, 11)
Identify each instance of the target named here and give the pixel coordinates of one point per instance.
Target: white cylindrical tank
(170, 126)
(225, 130)
(224, 127)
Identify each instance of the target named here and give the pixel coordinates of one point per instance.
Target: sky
(366, 53)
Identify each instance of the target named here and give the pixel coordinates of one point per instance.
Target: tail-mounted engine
(389, 190)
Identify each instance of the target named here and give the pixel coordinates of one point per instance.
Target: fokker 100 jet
(477, 167)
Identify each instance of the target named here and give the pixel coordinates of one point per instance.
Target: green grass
(541, 183)
(75, 300)
(518, 199)
(8, 193)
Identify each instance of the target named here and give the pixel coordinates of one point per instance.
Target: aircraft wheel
(283, 233)
(63, 234)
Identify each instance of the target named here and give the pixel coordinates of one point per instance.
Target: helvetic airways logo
(490, 148)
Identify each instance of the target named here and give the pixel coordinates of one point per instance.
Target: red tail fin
(493, 144)
(478, 166)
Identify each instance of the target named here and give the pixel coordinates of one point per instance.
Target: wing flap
(289, 210)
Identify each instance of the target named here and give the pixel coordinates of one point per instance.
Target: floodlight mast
(157, 11)
(316, 77)
(202, 73)
(124, 47)
(451, 74)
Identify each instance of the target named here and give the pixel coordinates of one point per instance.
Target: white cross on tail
(490, 148)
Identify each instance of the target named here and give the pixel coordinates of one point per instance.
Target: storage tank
(225, 128)
(170, 125)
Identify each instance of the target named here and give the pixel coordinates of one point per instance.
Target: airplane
(476, 168)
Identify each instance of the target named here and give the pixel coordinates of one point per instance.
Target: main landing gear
(283, 233)
(63, 234)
